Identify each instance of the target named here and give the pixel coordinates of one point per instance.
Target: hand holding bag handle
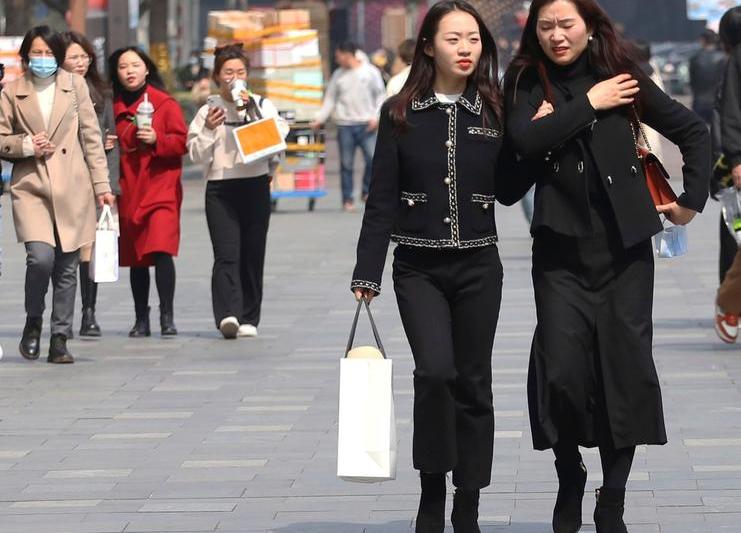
(373, 327)
(106, 221)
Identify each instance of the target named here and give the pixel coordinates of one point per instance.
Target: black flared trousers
(449, 304)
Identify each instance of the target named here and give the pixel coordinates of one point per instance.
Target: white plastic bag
(366, 443)
(671, 242)
(104, 260)
(730, 208)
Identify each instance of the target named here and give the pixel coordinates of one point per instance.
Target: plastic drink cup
(144, 113)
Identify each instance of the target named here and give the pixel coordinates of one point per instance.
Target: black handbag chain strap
(355, 327)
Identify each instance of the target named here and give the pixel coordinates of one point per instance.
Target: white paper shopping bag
(366, 444)
(104, 260)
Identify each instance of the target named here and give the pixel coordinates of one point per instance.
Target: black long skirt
(592, 378)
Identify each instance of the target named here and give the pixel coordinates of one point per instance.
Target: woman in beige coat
(49, 129)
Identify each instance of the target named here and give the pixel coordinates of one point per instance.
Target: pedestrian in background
(80, 59)
(404, 58)
(574, 94)
(151, 190)
(353, 96)
(436, 173)
(706, 73)
(728, 301)
(237, 195)
(49, 128)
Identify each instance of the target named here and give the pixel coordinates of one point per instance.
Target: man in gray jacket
(354, 97)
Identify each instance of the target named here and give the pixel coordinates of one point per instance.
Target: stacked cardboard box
(254, 24)
(287, 69)
(302, 166)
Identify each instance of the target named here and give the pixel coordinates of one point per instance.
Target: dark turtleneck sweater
(129, 97)
(568, 82)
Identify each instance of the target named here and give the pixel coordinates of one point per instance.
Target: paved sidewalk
(202, 434)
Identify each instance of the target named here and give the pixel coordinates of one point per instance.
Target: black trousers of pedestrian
(728, 249)
(449, 304)
(238, 215)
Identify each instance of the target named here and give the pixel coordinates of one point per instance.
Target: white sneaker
(247, 330)
(229, 327)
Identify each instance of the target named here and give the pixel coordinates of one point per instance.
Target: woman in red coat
(151, 191)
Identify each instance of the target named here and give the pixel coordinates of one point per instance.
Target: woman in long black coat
(572, 96)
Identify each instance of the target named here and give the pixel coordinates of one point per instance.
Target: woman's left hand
(677, 215)
(545, 109)
(106, 199)
(147, 135)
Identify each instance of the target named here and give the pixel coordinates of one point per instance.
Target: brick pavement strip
(201, 434)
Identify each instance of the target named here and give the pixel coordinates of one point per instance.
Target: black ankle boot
(58, 353)
(167, 321)
(431, 513)
(465, 514)
(608, 514)
(89, 326)
(572, 478)
(31, 339)
(141, 326)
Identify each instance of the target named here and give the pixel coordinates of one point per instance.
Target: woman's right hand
(41, 144)
(367, 294)
(617, 91)
(215, 117)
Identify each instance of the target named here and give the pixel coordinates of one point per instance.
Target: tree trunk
(158, 46)
(17, 16)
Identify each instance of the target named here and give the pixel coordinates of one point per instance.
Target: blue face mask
(42, 67)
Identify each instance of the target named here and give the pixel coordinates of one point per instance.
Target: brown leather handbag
(657, 178)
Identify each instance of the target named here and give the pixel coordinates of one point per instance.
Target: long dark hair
(153, 78)
(729, 29)
(100, 90)
(609, 53)
(422, 73)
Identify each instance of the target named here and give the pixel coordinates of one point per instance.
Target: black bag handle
(373, 327)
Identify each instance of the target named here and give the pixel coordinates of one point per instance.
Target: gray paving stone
(202, 434)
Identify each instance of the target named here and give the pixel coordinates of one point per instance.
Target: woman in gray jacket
(80, 59)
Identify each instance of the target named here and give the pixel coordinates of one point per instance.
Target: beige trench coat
(57, 190)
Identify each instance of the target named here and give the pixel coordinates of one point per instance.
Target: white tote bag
(104, 260)
(366, 444)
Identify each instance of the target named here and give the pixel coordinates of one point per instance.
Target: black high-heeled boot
(141, 326)
(89, 294)
(167, 321)
(572, 478)
(608, 514)
(431, 513)
(465, 516)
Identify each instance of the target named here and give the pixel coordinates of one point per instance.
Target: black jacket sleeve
(730, 109)
(380, 209)
(532, 139)
(688, 131)
(515, 176)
